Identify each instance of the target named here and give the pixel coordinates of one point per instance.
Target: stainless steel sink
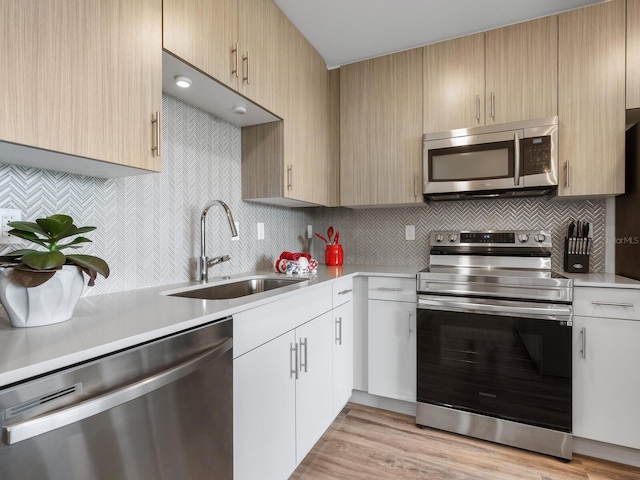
(240, 288)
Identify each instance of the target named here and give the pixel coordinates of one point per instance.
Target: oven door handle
(496, 306)
(75, 413)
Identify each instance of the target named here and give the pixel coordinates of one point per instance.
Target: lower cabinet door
(264, 415)
(342, 356)
(606, 382)
(392, 349)
(313, 394)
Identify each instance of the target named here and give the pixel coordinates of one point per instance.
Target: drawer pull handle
(344, 292)
(612, 304)
(583, 342)
(388, 289)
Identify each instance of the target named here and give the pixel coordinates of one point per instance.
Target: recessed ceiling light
(182, 81)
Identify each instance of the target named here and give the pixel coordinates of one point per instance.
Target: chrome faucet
(204, 263)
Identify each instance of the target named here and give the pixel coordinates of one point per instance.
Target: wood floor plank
(366, 443)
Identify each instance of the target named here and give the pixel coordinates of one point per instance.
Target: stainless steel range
(494, 340)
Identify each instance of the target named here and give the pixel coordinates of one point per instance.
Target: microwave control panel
(536, 155)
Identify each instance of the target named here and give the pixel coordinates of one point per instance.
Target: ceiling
(346, 31)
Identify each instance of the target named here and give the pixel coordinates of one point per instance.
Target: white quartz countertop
(106, 323)
(602, 280)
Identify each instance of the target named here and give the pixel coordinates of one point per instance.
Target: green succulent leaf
(75, 241)
(55, 224)
(89, 262)
(32, 237)
(27, 227)
(19, 253)
(44, 260)
(30, 278)
(73, 230)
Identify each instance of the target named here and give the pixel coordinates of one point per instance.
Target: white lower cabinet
(342, 356)
(392, 349)
(278, 418)
(606, 382)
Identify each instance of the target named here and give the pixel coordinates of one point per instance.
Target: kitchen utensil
(570, 229)
(330, 234)
(322, 238)
(337, 238)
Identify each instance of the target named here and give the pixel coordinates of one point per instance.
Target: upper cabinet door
(204, 34)
(82, 78)
(381, 130)
(454, 84)
(260, 25)
(633, 53)
(522, 71)
(591, 100)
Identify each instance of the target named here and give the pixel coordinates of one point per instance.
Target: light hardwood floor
(368, 443)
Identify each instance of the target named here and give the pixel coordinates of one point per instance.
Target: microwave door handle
(516, 159)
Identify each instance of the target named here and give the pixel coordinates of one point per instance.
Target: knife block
(575, 262)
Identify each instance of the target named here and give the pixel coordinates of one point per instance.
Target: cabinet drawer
(342, 291)
(391, 288)
(622, 303)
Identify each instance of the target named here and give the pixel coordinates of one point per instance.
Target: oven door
(489, 161)
(502, 358)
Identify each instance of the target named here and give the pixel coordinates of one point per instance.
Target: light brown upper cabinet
(591, 100)
(633, 53)
(294, 162)
(381, 130)
(236, 42)
(504, 75)
(83, 79)
(522, 71)
(454, 84)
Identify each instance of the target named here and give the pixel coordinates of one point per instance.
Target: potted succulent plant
(41, 287)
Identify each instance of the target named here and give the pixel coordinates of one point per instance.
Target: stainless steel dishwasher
(160, 410)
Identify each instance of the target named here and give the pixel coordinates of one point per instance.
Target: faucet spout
(204, 263)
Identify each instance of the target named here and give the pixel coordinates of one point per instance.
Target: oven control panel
(501, 238)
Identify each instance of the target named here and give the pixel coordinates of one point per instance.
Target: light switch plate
(260, 231)
(8, 215)
(309, 231)
(409, 232)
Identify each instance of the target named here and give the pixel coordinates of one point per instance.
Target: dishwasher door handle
(75, 413)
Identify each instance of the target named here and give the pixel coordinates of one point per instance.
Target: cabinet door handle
(566, 174)
(246, 57)
(409, 323)
(516, 159)
(155, 148)
(612, 304)
(290, 177)
(293, 361)
(344, 292)
(478, 108)
(493, 106)
(415, 185)
(583, 342)
(339, 331)
(234, 52)
(306, 347)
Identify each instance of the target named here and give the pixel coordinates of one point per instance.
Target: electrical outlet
(260, 231)
(237, 237)
(409, 232)
(8, 215)
(309, 231)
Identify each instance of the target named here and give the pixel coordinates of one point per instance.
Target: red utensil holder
(333, 256)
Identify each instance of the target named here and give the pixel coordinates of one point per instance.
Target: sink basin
(240, 288)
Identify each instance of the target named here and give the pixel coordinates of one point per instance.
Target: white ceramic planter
(49, 303)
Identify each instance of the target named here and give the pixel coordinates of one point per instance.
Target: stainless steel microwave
(510, 159)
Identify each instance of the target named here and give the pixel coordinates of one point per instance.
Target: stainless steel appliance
(510, 159)
(161, 410)
(494, 340)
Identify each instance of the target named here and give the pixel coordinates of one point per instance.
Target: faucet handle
(216, 260)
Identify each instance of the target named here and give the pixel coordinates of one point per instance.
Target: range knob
(523, 237)
(539, 237)
(439, 238)
(453, 238)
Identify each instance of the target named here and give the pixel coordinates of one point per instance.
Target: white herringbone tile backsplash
(149, 225)
(377, 235)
